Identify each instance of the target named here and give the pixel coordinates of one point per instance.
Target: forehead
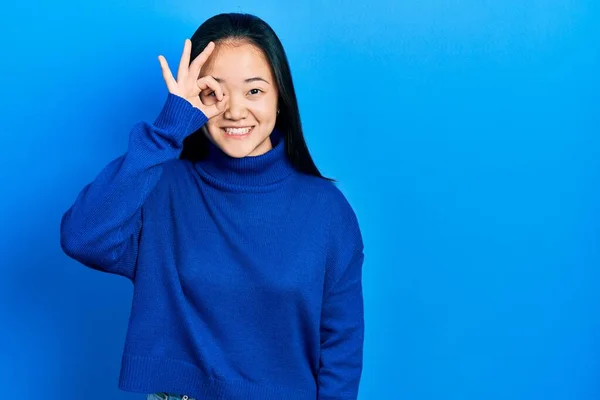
(236, 62)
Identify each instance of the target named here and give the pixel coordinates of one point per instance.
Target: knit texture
(247, 273)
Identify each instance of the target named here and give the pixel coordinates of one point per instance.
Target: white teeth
(237, 131)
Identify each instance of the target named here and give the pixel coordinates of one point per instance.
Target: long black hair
(253, 30)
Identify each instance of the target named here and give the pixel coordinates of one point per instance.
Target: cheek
(213, 123)
(265, 110)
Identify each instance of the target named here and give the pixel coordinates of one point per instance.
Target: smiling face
(250, 90)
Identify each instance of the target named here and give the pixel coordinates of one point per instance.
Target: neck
(261, 170)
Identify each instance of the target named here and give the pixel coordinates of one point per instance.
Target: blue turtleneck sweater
(246, 272)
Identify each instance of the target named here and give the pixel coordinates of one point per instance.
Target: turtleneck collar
(250, 171)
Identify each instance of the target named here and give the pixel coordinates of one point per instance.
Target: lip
(245, 135)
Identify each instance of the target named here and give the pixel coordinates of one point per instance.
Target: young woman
(246, 262)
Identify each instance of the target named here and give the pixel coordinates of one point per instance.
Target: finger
(216, 108)
(201, 58)
(184, 62)
(166, 72)
(208, 82)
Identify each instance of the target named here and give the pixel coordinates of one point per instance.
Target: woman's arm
(342, 318)
(102, 227)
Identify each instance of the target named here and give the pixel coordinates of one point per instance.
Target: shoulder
(174, 173)
(340, 217)
(325, 193)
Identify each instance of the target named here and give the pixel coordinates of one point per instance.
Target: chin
(236, 151)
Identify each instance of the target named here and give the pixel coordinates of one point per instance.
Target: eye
(255, 92)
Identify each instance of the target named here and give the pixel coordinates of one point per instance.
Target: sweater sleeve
(342, 316)
(102, 227)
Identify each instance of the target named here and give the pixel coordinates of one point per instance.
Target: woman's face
(250, 94)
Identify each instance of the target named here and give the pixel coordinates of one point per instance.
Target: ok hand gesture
(188, 85)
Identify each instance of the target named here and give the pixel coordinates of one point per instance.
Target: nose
(236, 108)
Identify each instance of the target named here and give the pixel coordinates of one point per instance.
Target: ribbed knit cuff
(179, 117)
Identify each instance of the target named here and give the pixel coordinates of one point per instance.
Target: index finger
(185, 60)
(201, 58)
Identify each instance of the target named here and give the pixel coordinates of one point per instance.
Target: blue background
(464, 134)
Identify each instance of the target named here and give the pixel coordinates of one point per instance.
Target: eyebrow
(254, 79)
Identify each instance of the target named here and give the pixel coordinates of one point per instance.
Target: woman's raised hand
(188, 85)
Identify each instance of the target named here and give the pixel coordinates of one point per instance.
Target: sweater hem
(142, 374)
